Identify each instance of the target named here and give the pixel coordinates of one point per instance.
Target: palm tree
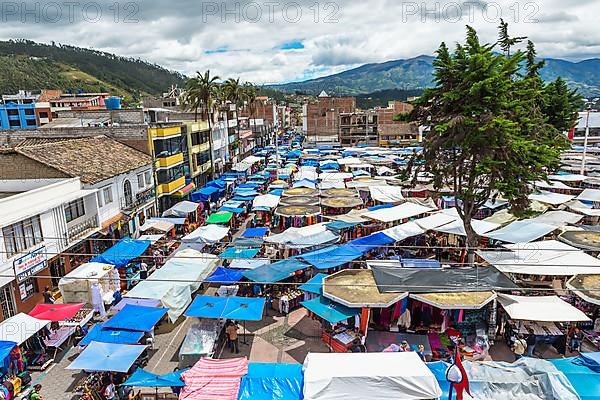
(200, 92)
(233, 93)
(250, 93)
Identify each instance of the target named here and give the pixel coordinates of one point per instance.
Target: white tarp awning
(548, 257)
(152, 238)
(20, 327)
(540, 308)
(558, 218)
(334, 176)
(457, 227)
(397, 213)
(567, 178)
(552, 185)
(248, 263)
(269, 201)
(364, 183)
(551, 198)
(523, 231)
(387, 194)
(252, 160)
(403, 231)
(349, 161)
(159, 225)
(207, 234)
(175, 282)
(241, 167)
(589, 195)
(435, 220)
(353, 216)
(306, 174)
(582, 208)
(181, 209)
(359, 376)
(384, 170)
(332, 185)
(303, 237)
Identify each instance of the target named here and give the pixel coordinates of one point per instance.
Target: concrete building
(196, 149)
(321, 118)
(40, 219)
(18, 116)
(359, 128)
(396, 133)
(121, 174)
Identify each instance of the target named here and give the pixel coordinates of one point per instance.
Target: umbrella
(112, 357)
(55, 312)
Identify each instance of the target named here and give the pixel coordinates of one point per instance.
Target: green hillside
(32, 66)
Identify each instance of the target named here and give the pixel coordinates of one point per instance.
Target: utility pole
(585, 140)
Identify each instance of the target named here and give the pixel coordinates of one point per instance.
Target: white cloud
(184, 35)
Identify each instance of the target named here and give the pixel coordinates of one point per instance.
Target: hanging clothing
(405, 319)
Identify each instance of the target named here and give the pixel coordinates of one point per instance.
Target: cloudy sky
(278, 40)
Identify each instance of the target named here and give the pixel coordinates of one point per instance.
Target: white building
(39, 219)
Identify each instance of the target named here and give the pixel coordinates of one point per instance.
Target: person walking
(48, 298)
(530, 343)
(232, 334)
(519, 347)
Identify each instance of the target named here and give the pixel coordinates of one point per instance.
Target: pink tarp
(213, 379)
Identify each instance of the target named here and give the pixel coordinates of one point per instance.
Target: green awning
(222, 217)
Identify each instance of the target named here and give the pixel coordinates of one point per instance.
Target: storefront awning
(184, 191)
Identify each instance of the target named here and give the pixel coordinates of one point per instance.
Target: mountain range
(417, 73)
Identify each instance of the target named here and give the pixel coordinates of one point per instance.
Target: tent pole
(245, 342)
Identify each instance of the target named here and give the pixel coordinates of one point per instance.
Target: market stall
(296, 216)
(28, 333)
(202, 340)
(340, 205)
(91, 283)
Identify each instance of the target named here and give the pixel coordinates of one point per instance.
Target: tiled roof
(92, 159)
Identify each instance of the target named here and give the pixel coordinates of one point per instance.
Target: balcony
(140, 199)
(164, 132)
(165, 162)
(83, 228)
(168, 188)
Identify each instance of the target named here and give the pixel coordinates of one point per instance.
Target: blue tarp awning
(234, 252)
(339, 225)
(380, 206)
(218, 183)
(136, 318)
(225, 276)
(275, 272)
(233, 204)
(206, 194)
(247, 242)
(255, 232)
(276, 192)
(439, 368)
(368, 243)
(304, 183)
(420, 263)
(112, 357)
(585, 381)
(124, 251)
(328, 310)
(231, 210)
(267, 381)
(235, 308)
(106, 335)
(332, 256)
(243, 198)
(142, 378)
(314, 284)
(5, 349)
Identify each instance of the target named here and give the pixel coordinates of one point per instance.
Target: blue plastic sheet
(99, 356)
(276, 192)
(206, 193)
(5, 349)
(234, 252)
(589, 360)
(218, 183)
(275, 272)
(231, 210)
(235, 308)
(368, 243)
(124, 251)
(314, 284)
(136, 318)
(225, 276)
(266, 381)
(331, 257)
(142, 378)
(328, 310)
(380, 206)
(438, 368)
(585, 381)
(118, 336)
(255, 232)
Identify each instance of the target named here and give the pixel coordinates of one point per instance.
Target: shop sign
(30, 264)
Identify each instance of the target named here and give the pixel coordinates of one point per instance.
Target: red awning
(55, 312)
(184, 190)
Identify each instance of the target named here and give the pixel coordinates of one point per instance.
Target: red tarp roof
(55, 312)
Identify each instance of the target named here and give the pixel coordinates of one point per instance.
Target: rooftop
(92, 159)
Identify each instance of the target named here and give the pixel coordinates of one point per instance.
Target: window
(7, 303)
(28, 288)
(99, 198)
(74, 210)
(140, 179)
(22, 235)
(31, 122)
(29, 111)
(108, 197)
(148, 178)
(128, 193)
(43, 114)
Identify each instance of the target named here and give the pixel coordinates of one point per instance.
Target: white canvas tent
(20, 327)
(558, 218)
(359, 376)
(181, 209)
(397, 213)
(269, 201)
(159, 225)
(207, 234)
(540, 308)
(176, 281)
(403, 231)
(589, 195)
(434, 220)
(457, 227)
(548, 257)
(76, 286)
(523, 231)
(387, 194)
(551, 198)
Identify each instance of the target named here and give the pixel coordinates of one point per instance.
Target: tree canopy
(491, 132)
